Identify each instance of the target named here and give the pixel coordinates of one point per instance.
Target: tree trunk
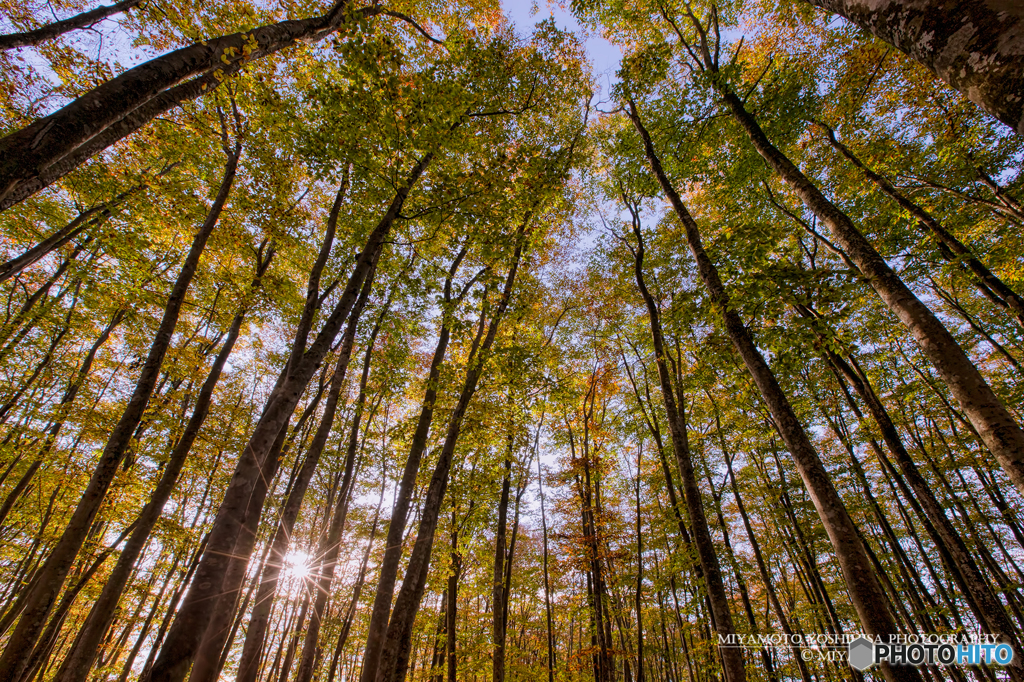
(997, 428)
(59, 28)
(862, 584)
(83, 221)
(498, 596)
(952, 550)
(639, 597)
(78, 662)
(29, 153)
(192, 619)
(331, 543)
(55, 570)
(732, 658)
(975, 47)
(394, 659)
(173, 605)
(388, 572)
(547, 581)
(208, 654)
(350, 612)
(454, 576)
(952, 249)
(248, 667)
(766, 579)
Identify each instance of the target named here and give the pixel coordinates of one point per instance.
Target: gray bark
(976, 46)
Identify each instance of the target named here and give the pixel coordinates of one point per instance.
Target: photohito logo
(916, 650)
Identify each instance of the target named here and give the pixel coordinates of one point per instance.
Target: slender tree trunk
(387, 574)
(952, 249)
(997, 428)
(741, 583)
(59, 28)
(498, 596)
(259, 621)
(129, 662)
(55, 570)
(331, 544)
(16, 329)
(766, 579)
(217, 637)
(547, 580)
(732, 658)
(454, 576)
(194, 616)
(85, 220)
(440, 640)
(353, 603)
(293, 643)
(394, 660)
(44, 362)
(173, 605)
(954, 553)
(975, 47)
(218, 628)
(48, 638)
(78, 662)
(862, 584)
(639, 596)
(19, 489)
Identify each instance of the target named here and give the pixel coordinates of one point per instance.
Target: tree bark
(547, 580)
(350, 612)
(86, 219)
(255, 636)
(639, 595)
(58, 28)
(975, 47)
(452, 613)
(498, 596)
(766, 579)
(28, 154)
(954, 553)
(214, 640)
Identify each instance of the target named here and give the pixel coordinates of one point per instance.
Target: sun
(296, 565)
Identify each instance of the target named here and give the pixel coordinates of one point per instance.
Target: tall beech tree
(30, 152)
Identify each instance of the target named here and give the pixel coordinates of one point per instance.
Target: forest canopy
(393, 342)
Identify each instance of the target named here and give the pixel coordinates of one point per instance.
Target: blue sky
(604, 56)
